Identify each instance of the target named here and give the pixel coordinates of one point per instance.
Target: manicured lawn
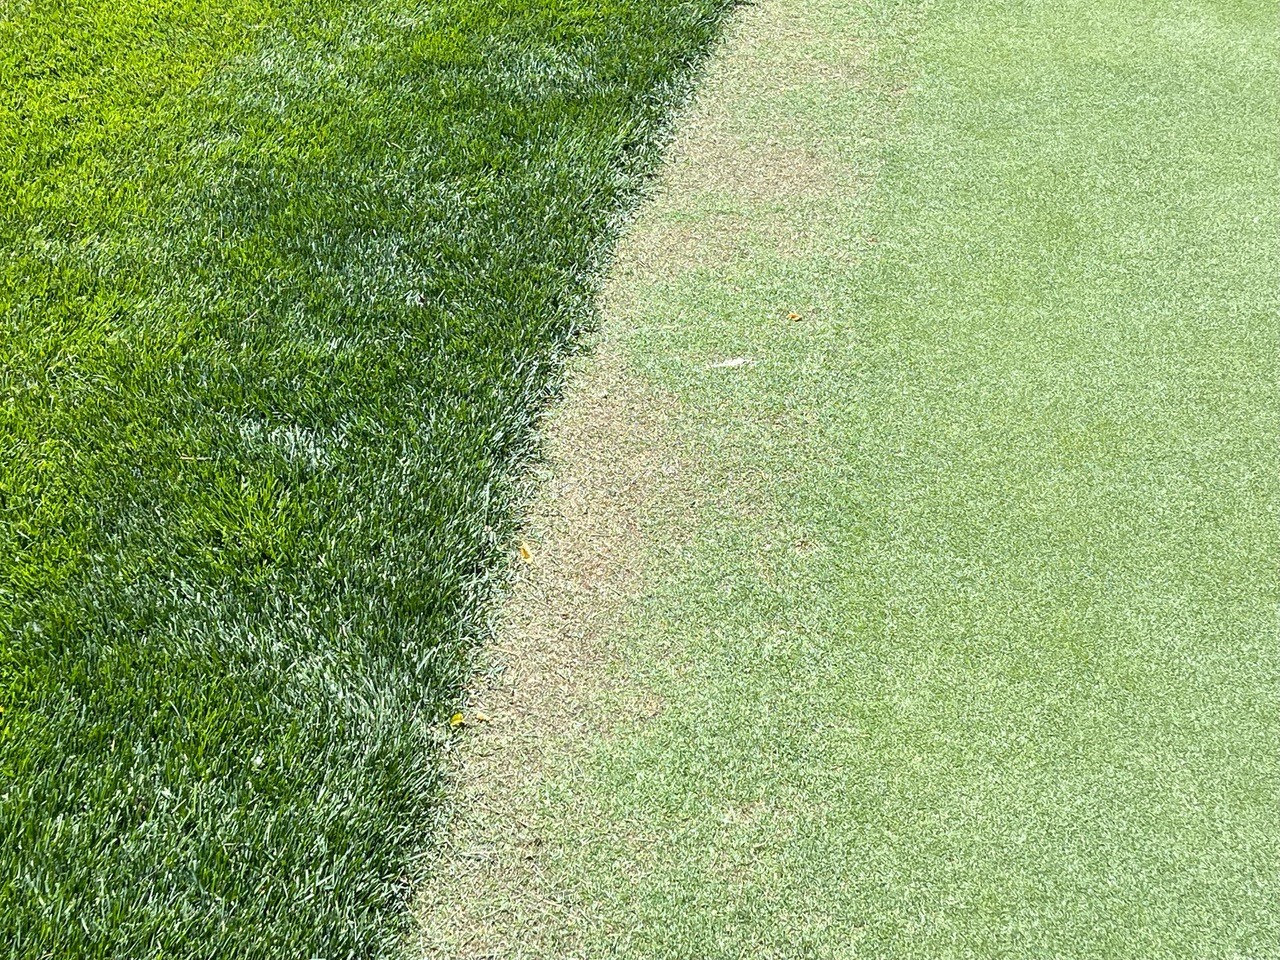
(281, 287)
(963, 640)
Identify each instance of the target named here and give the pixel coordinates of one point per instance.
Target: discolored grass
(282, 288)
(551, 678)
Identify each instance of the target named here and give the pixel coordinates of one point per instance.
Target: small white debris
(735, 362)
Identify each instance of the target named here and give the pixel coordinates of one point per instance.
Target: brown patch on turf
(720, 163)
(751, 192)
(549, 683)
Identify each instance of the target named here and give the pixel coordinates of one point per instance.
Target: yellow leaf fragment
(457, 720)
(480, 717)
(526, 552)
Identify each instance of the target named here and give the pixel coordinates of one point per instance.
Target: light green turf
(973, 652)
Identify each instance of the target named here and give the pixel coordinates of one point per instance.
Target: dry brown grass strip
(549, 683)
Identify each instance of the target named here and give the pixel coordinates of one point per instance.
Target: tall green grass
(282, 287)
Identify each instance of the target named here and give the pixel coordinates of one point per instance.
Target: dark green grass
(281, 288)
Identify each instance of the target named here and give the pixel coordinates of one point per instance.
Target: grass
(969, 647)
(283, 286)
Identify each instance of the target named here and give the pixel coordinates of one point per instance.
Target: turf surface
(964, 641)
(281, 287)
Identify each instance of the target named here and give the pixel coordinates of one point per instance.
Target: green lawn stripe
(279, 307)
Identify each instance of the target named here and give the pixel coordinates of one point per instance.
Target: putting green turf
(970, 648)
